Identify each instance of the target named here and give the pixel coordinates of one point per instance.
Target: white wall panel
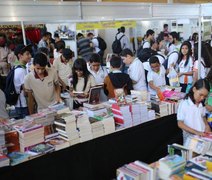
(175, 10)
(39, 11)
(206, 9)
(104, 11)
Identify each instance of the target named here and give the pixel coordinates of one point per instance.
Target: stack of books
(97, 128)
(66, 127)
(39, 149)
(122, 115)
(2, 140)
(144, 113)
(136, 114)
(84, 128)
(108, 123)
(4, 160)
(196, 168)
(30, 134)
(160, 108)
(136, 171)
(95, 111)
(198, 145)
(151, 115)
(18, 157)
(170, 165)
(44, 117)
(58, 143)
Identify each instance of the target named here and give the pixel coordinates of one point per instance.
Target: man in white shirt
(135, 71)
(23, 54)
(125, 42)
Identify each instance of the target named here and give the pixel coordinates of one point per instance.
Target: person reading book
(116, 79)
(195, 121)
(81, 81)
(42, 84)
(156, 76)
(99, 72)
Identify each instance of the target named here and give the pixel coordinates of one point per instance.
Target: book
(17, 157)
(58, 143)
(41, 148)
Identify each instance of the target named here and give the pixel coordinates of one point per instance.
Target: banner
(105, 25)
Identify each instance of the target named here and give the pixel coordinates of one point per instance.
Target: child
(185, 65)
(156, 76)
(42, 84)
(63, 65)
(23, 54)
(82, 80)
(191, 112)
(99, 72)
(116, 79)
(95, 68)
(135, 71)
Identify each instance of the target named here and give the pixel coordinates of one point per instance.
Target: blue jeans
(21, 112)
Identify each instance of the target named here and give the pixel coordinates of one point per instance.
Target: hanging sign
(105, 25)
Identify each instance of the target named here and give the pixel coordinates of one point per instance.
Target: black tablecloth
(98, 159)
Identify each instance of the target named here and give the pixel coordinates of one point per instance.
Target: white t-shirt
(95, 44)
(137, 74)
(184, 69)
(146, 44)
(157, 78)
(172, 58)
(203, 71)
(193, 120)
(100, 75)
(19, 75)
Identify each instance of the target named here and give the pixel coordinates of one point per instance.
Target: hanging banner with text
(105, 25)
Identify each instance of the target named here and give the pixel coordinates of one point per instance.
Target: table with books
(100, 157)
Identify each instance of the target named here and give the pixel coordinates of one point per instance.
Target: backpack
(145, 54)
(165, 63)
(102, 43)
(10, 92)
(116, 46)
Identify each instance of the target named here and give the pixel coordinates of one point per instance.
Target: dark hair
(175, 35)
(126, 52)
(165, 35)
(154, 59)
(165, 25)
(149, 32)
(95, 58)
(79, 35)
(45, 34)
(90, 34)
(122, 29)
(209, 76)
(199, 84)
(115, 61)
(43, 50)
(59, 45)
(41, 59)
(207, 63)
(153, 42)
(188, 44)
(194, 37)
(56, 35)
(80, 64)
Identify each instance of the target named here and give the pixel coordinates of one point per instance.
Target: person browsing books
(81, 81)
(156, 76)
(116, 79)
(195, 122)
(42, 84)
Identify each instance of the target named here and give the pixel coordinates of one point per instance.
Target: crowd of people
(39, 81)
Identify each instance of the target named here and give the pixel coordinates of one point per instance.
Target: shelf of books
(58, 128)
